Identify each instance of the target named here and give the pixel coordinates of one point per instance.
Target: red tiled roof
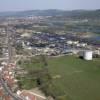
(1, 92)
(32, 96)
(7, 98)
(29, 95)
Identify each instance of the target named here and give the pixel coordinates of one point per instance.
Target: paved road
(2, 81)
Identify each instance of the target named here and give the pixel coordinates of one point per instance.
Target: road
(2, 81)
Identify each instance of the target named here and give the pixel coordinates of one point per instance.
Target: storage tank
(88, 55)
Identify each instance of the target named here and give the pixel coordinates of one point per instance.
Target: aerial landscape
(49, 50)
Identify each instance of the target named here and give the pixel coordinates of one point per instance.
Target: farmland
(79, 79)
(72, 78)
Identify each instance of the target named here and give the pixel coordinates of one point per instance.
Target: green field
(72, 78)
(78, 79)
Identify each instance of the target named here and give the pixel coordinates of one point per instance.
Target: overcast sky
(16, 5)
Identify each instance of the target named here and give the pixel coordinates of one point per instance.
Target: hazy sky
(16, 5)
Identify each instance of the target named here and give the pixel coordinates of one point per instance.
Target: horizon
(50, 9)
(23, 5)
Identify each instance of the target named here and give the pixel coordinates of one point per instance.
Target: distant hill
(54, 12)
